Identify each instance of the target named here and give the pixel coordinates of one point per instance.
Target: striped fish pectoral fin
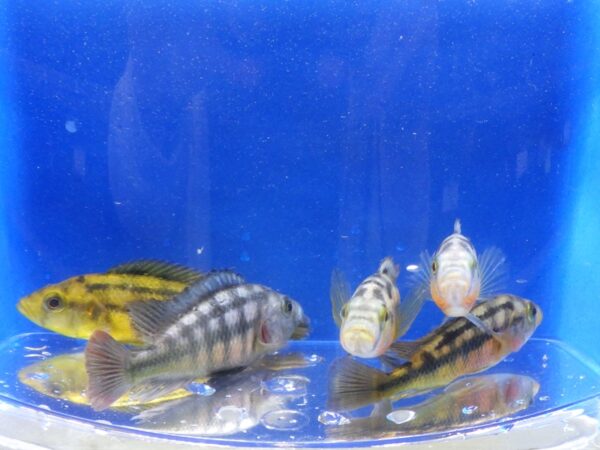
(494, 272)
(409, 308)
(159, 269)
(483, 326)
(150, 317)
(421, 278)
(339, 293)
(353, 385)
(157, 387)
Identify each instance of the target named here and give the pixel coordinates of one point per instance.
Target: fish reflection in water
(239, 402)
(467, 402)
(64, 377)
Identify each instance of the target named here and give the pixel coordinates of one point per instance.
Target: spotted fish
(456, 348)
(218, 324)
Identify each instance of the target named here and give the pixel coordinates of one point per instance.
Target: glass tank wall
(286, 139)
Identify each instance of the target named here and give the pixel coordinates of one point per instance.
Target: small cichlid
(217, 324)
(456, 348)
(83, 304)
(63, 377)
(458, 278)
(239, 402)
(466, 402)
(373, 318)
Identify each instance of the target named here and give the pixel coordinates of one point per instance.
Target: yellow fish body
(457, 348)
(64, 377)
(82, 304)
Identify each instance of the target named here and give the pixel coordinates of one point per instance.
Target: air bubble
(284, 419)
(545, 357)
(71, 126)
(470, 409)
(314, 359)
(544, 398)
(232, 414)
(333, 418)
(288, 384)
(401, 416)
(201, 389)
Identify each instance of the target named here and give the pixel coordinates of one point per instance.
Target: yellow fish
(82, 304)
(64, 377)
(455, 349)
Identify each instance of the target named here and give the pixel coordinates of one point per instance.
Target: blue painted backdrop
(285, 138)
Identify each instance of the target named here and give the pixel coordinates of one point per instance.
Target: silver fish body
(216, 325)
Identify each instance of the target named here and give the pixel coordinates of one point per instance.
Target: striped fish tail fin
(106, 364)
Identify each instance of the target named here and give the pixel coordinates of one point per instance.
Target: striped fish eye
(287, 306)
(434, 266)
(53, 303)
(384, 315)
(344, 311)
(531, 312)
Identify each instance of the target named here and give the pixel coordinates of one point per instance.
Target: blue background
(287, 138)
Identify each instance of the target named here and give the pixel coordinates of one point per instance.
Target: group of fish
(187, 326)
(154, 328)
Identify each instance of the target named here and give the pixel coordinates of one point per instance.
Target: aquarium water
(283, 140)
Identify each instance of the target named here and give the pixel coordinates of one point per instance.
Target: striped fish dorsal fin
(159, 269)
(150, 317)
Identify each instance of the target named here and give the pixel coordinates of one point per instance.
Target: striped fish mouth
(302, 329)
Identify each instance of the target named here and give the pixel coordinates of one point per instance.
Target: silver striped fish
(373, 317)
(216, 325)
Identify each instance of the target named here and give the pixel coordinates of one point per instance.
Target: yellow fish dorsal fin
(150, 318)
(159, 269)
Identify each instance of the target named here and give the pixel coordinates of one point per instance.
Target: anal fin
(157, 387)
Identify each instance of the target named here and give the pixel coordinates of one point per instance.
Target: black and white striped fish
(217, 324)
(373, 317)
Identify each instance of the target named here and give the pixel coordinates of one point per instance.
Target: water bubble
(544, 398)
(43, 406)
(71, 126)
(469, 409)
(41, 376)
(104, 422)
(314, 358)
(284, 419)
(244, 257)
(333, 418)
(400, 248)
(201, 389)
(232, 414)
(521, 280)
(544, 365)
(507, 427)
(582, 377)
(412, 267)
(287, 384)
(35, 349)
(401, 416)
(545, 357)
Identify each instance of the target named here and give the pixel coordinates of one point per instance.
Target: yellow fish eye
(53, 303)
(384, 315)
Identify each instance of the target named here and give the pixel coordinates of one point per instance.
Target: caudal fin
(105, 363)
(353, 385)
